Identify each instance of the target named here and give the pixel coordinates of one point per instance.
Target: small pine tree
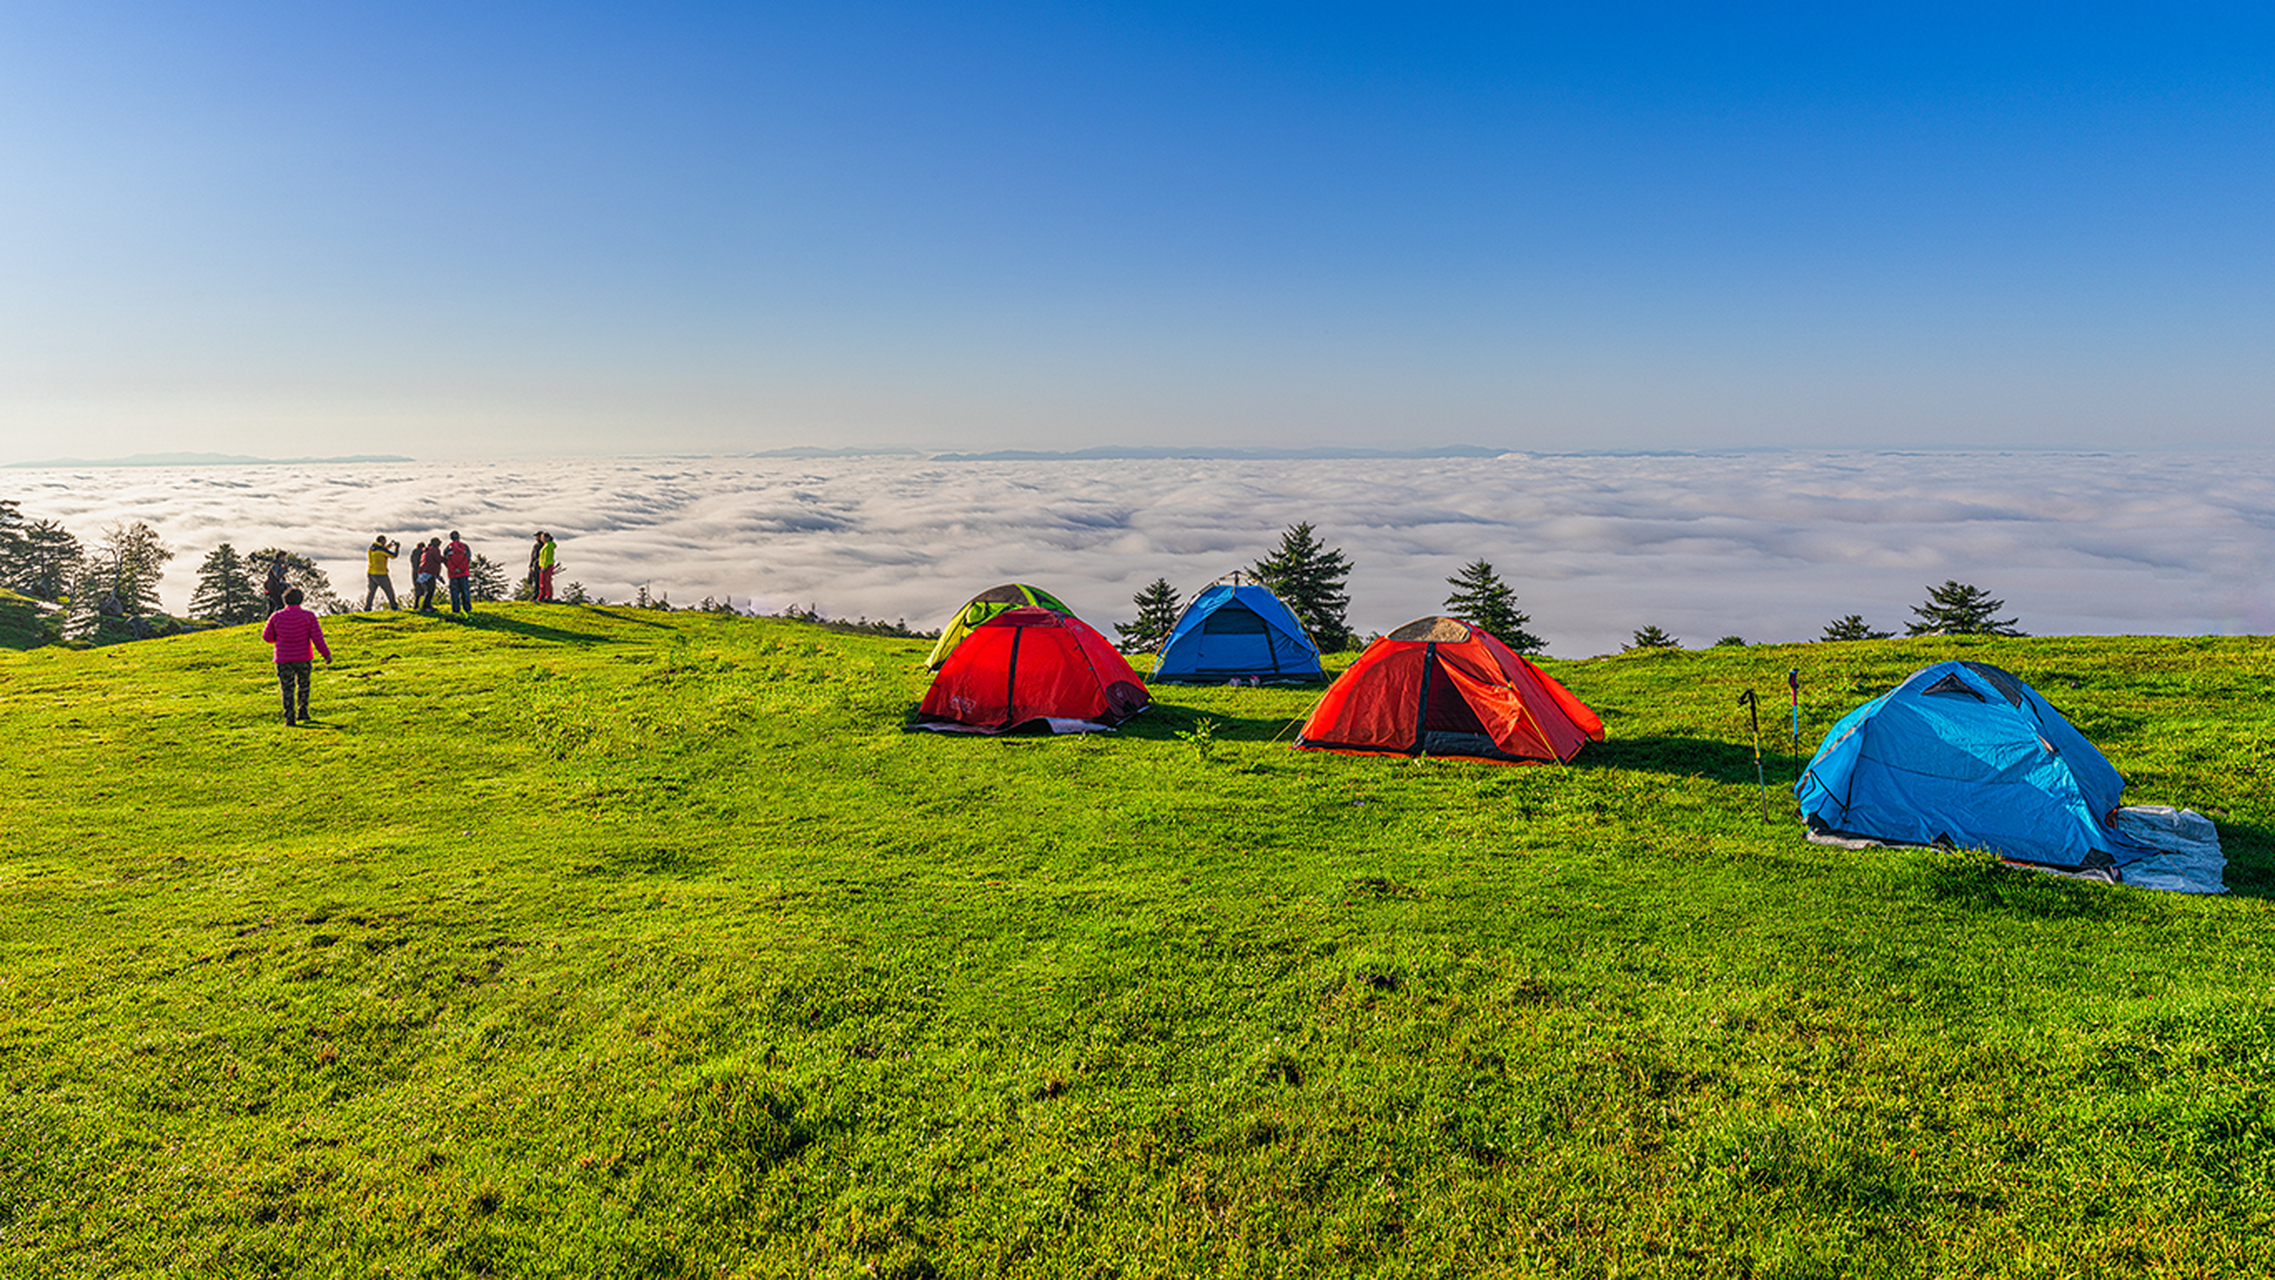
(41, 560)
(1653, 638)
(1481, 598)
(488, 582)
(129, 562)
(1959, 609)
(574, 593)
(1730, 642)
(1157, 615)
(1853, 627)
(11, 538)
(225, 591)
(119, 581)
(1308, 576)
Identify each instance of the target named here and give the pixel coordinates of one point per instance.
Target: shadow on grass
(622, 613)
(1159, 723)
(537, 630)
(2250, 851)
(1731, 762)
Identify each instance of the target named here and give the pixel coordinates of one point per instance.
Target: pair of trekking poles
(1753, 708)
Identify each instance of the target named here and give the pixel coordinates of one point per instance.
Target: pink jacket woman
(295, 631)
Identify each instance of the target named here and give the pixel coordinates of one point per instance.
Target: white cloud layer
(1766, 546)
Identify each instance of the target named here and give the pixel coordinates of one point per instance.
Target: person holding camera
(376, 578)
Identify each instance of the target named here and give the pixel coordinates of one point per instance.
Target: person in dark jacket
(295, 632)
(426, 574)
(273, 586)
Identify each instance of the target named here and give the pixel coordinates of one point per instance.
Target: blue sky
(450, 230)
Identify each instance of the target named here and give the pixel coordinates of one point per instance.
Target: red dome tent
(1032, 666)
(1440, 687)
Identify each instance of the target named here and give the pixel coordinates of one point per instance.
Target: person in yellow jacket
(376, 577)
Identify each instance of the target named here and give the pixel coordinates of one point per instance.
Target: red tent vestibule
(1440, 687)
(1032, 667)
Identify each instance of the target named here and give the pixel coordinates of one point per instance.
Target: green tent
(985, 605)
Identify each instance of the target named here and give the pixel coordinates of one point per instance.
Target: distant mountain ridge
(199, 460)
(1173, 453)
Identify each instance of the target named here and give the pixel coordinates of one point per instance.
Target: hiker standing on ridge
(458, 559)
(376, 577)
(426, 574)
(273, 586)
(536, 546)
(543, 559)
(294, 631)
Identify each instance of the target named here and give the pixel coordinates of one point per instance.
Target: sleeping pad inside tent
(1966, 754)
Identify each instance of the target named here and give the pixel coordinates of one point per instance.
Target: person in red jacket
(295, 631)
(459, 559)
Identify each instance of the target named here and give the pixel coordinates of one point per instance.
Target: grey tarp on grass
(2160, 847)
(2156, 847)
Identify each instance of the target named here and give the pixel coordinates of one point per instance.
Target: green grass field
(585, 942)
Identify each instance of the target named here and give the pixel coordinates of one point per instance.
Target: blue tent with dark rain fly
(1237, 631)
(1963, 753)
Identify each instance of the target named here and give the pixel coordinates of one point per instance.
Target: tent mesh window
(1952, 686)
(2000, 679)
(1233, 620)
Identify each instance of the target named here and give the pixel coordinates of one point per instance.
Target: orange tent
(1440, 687)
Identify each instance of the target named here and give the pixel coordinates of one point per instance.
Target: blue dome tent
(1237, 630)
(1964, 753)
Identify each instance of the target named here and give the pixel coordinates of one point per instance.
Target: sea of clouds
(1765, 546)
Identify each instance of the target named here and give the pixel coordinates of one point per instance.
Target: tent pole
(1754, 712)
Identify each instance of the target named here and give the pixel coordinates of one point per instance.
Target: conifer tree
(122, 576)
(1157, 615)
(39, 558)
(1959, 609)
(1653, 638)
(117, 585)
(11, 536)
(1853, 627)
(225, 591)
(1308, 576)
(1481, 598)
(488, 580)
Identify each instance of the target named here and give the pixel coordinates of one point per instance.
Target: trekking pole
(1754, 712)
(1793, 682)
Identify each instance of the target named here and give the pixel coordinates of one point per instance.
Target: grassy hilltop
(599, 942)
